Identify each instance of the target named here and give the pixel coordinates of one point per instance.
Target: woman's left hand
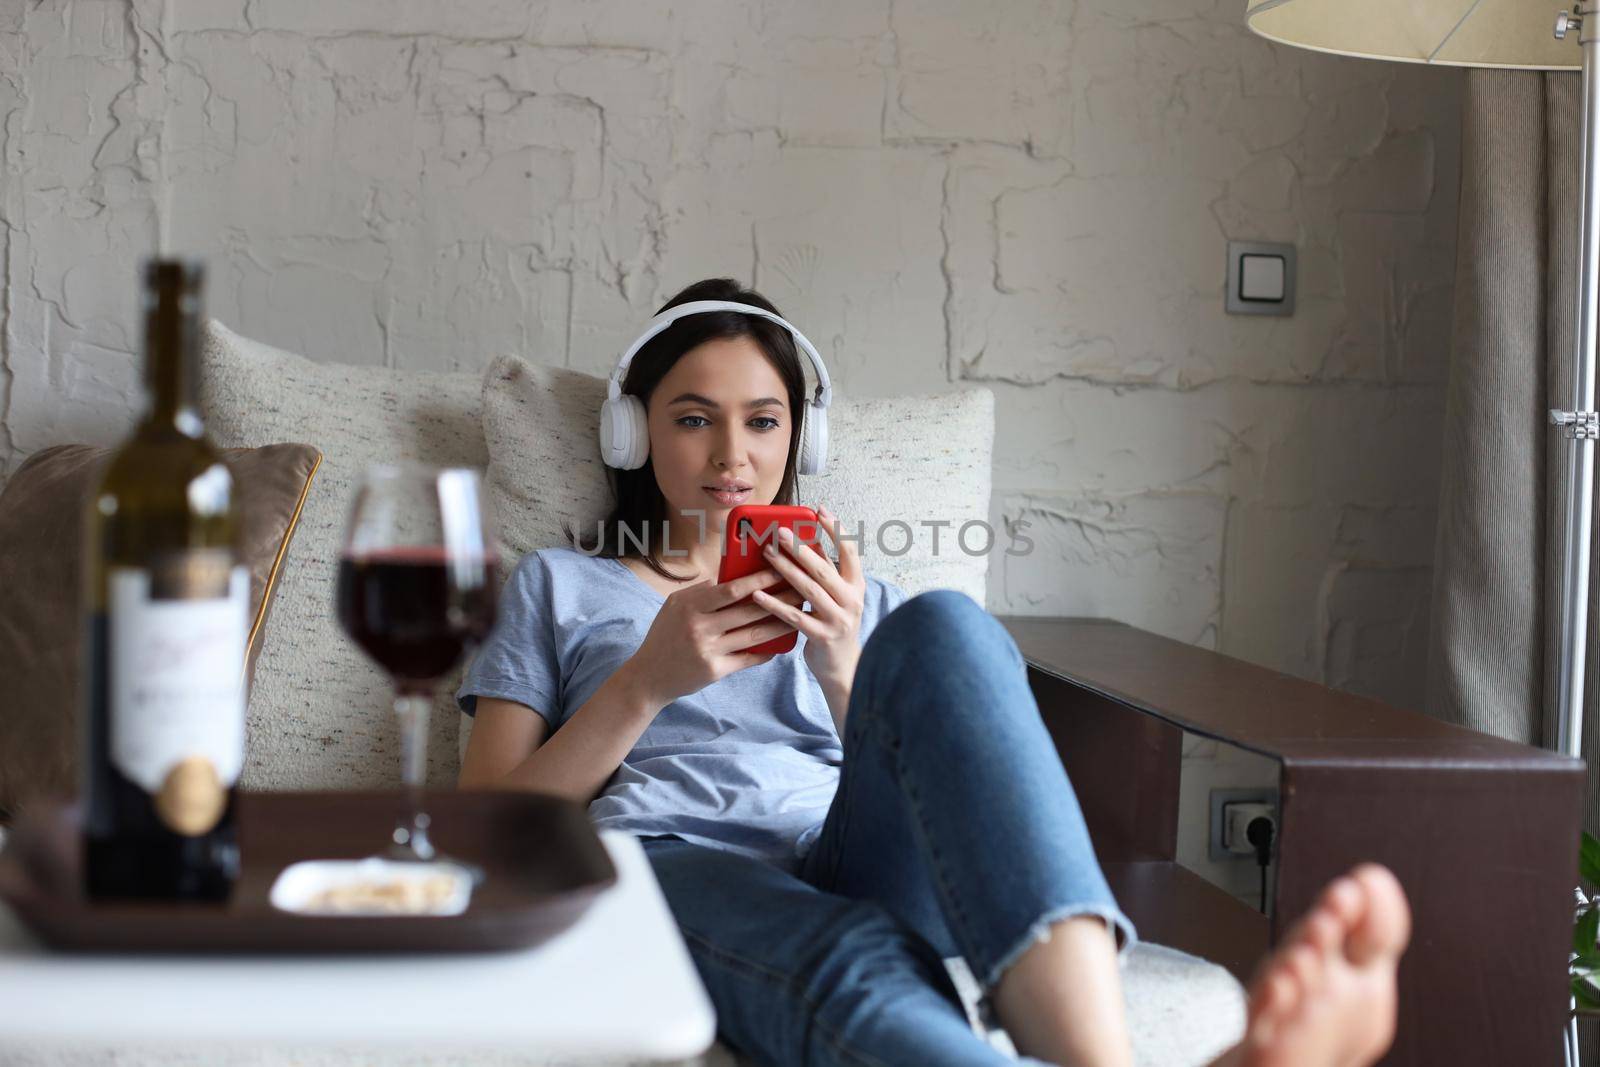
(837, 595)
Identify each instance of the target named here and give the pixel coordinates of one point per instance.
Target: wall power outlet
(1236, 820)
(1234, 803)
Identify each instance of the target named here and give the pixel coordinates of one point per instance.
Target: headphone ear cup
(624, 432)
(640, 433)
(814, 440)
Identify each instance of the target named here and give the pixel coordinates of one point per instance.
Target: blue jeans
(954, 831)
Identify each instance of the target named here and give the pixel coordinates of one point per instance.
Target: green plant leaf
(1586, 931)
(1589, 859)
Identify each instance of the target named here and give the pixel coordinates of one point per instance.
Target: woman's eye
(694, 422)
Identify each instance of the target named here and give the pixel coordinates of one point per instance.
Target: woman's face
(719, 417)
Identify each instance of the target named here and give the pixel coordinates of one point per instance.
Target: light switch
(1261, 278)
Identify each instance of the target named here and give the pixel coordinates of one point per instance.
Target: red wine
(167, 616)
(416, 610)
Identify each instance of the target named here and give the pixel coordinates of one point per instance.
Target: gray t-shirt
(750, 763)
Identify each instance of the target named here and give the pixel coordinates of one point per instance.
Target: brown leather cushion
(41, 618)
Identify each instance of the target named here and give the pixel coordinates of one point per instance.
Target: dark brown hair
(639, 505)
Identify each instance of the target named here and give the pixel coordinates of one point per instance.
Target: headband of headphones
(824, 394)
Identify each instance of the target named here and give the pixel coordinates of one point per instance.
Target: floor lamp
(1517, 34)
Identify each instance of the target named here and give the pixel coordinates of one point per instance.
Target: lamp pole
(1580, 426)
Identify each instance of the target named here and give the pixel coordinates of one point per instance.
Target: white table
(617, 985)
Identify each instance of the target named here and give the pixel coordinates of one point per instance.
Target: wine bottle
(166, 607)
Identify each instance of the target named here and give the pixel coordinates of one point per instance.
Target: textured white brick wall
(1032, 194)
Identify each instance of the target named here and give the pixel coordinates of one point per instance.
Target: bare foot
(1326, 997)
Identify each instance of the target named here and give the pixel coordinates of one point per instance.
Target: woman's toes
(1384, 924)
(1323, 931)
(1321, 927)
(1306, 964)
(1277, 996)
(1326, 997)
(1344, 899)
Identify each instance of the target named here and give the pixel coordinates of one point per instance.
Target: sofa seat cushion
(1182, 1011)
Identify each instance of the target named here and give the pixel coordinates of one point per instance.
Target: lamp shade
(1461, 33)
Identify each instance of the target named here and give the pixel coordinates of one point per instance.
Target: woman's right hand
(696, 636)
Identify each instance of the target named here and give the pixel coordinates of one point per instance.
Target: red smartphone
(750, 528)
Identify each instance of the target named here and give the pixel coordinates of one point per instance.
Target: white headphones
(624, 430)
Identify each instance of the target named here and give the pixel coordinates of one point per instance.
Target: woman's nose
(729, 452)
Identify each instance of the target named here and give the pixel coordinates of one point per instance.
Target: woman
(831, 823)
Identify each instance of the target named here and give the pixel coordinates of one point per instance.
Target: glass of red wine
(416, 590)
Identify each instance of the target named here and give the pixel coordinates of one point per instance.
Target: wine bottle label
(178, 631)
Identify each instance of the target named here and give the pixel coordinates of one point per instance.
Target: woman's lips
(727, 498)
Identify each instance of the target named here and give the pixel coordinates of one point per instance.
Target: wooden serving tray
(543, 862)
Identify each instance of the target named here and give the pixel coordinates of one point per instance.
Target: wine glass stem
(411, 833)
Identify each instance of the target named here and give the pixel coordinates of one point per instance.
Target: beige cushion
(320, 713)
(545, 475)
(41, 621)
(911, 459)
